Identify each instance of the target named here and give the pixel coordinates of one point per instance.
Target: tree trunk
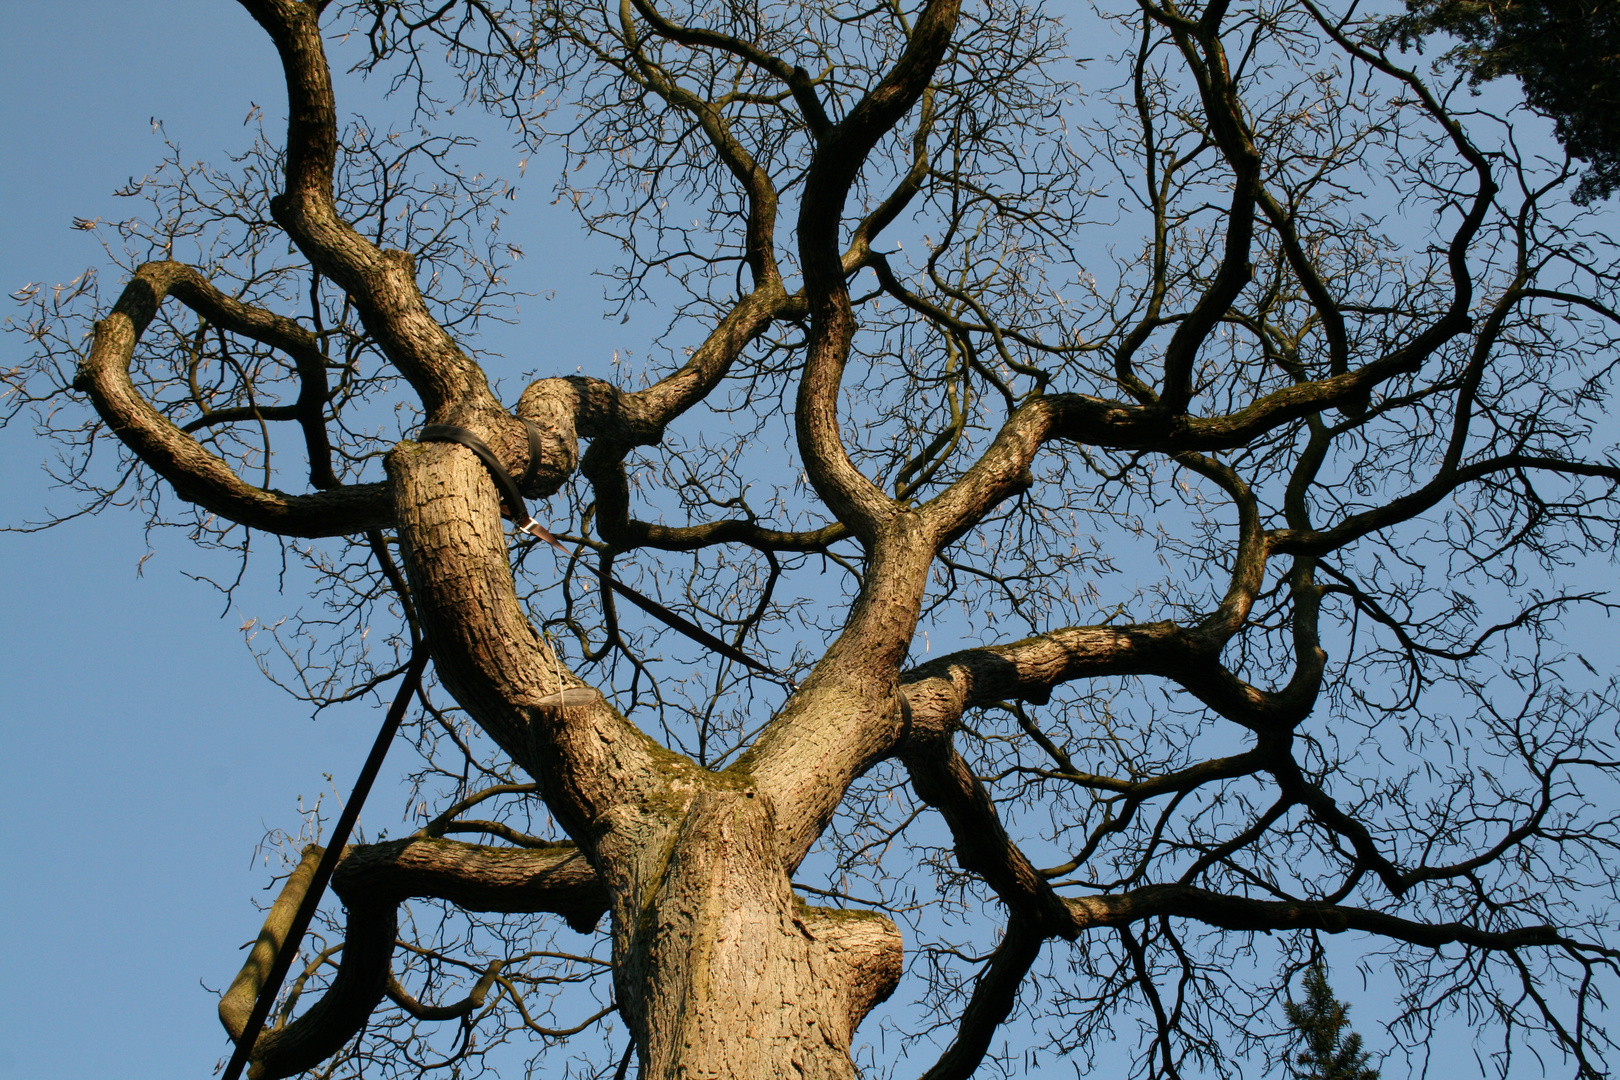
(723, 972)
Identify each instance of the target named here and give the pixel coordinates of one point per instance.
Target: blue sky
(143, 754)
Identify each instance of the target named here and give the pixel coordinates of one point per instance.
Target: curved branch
(558, 880)
(851, 496)
(943, 780)
(941, 690)
(795, 78)
(473, 1001)
(566, 410)
(1462, 282)
(197, 475)
(755, 181)
(382, 284)
(372, 881)
(587, 758)
(678, 391)
(1200, 45)
(236, 1004)
(630, 533)
(358, 986)
(906, 188)
(1093, 421)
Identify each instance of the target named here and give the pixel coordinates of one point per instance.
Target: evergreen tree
(1566, 53)
(1330, 1052)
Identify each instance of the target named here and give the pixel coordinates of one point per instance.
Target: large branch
(994, 995)
(941, 690)
(381, 283)
(617, 421)
(851, 496)
(678, 391)
(943, 780)
(592, 763)
(935, 696)
(846, 715)
(373, 880)
(996, 990)
(1117, 425)
(566, 410)
(195, 474)
(1242, 913)
(1200, 45)
(558, 880)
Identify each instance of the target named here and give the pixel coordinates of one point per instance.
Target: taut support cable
(323, 871)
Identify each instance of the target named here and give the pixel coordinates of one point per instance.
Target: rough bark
(724, 973)
(720, 971)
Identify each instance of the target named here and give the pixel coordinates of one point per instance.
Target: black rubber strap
(535, 450)
(511, 491)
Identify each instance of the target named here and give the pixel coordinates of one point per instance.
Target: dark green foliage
(1329, 1053)
(1566, 53)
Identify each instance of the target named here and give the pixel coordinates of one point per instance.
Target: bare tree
(1244, 420)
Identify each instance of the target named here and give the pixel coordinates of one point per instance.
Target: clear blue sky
(141, 753)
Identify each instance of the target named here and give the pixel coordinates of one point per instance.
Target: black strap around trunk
(511, 491)
(512, 494)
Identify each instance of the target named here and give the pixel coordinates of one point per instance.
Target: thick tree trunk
(722, 972)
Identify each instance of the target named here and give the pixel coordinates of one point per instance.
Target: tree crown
(1150, 535)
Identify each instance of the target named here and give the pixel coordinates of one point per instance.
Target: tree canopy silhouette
(1159, 511)
(1566, 55)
